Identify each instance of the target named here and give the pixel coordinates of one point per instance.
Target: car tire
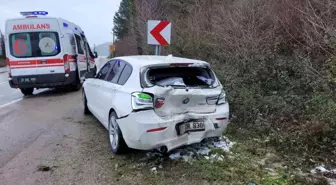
(116, 139)
(27, 91)
(86, 108)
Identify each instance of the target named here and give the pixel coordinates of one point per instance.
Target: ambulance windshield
(34, 44)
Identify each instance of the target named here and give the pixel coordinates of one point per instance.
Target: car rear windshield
(181, 76)
(34, 44)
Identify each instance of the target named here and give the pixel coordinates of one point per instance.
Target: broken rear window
(201, 77)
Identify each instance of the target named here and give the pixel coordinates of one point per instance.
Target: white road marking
(10, 103)
(3, 82)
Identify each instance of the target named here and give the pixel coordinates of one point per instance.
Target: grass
(248, 162)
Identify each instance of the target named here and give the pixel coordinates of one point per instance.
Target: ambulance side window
(79, 42)
(72, 43)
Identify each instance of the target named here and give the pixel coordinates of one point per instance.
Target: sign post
(158, 34)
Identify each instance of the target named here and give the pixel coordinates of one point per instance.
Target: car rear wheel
(86, 109)
(116, 139)
(27, 91)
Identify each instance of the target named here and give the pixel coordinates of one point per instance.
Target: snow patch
(187, 153)
(319, 169)
(154, 170)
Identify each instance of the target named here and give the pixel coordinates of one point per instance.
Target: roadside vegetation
(277, 62)
(2, 52)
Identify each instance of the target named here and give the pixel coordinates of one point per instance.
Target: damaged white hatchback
(156, 102)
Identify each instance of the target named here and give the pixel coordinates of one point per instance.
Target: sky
(95, 17)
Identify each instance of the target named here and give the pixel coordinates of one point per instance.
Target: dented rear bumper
(135, 128)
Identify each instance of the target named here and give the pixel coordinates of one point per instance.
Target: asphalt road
(9, 95)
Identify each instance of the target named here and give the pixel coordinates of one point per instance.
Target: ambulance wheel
(27, 91)
(76, 86)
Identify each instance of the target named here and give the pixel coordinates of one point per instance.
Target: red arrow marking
(156, 32)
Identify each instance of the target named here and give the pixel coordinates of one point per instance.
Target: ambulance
(46, 52)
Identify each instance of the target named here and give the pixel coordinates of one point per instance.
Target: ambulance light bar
(32, 13)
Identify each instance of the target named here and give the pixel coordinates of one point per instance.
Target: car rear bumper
(43, 81)
(134, 128)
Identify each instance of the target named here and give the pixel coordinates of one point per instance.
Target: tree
(122, 19)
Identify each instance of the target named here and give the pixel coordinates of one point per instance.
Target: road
(7, 94)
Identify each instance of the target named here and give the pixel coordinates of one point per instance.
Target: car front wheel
(116, 139)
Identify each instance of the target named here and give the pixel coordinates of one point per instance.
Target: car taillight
(9, 69)
(159, 103)
(222, 98)
(66, 63)
(212, 100)
(142, 101)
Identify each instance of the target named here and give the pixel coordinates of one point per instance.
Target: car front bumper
(134, 128)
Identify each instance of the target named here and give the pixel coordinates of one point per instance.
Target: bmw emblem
(186, 101)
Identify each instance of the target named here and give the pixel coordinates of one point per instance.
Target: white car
(156, 102)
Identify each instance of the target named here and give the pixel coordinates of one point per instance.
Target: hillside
(103, 49)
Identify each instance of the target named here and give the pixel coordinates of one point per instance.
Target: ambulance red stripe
(33, 66)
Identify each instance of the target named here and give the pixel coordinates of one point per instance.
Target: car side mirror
(95, 54)
(90, 74)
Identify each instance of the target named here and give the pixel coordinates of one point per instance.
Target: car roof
(147, 60)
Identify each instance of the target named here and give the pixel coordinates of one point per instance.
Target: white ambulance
(46, 52)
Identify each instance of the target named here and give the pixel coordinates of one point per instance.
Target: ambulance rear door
(34, 50)
(81, 57)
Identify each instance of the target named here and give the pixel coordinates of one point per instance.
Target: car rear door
(101, 93)
(110, 86)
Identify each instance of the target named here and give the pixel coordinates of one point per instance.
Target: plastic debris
(154, 170)
(208, 81)
(175, 156)
(187, 153)
(171, 81)
(203, 151)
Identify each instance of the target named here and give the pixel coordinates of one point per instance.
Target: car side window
(104, 71)
(125, 74)
(116, 71)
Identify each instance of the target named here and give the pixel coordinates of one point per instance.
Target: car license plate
(193, 126)
(27, 80)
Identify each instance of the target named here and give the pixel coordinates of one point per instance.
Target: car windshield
(34, 44)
